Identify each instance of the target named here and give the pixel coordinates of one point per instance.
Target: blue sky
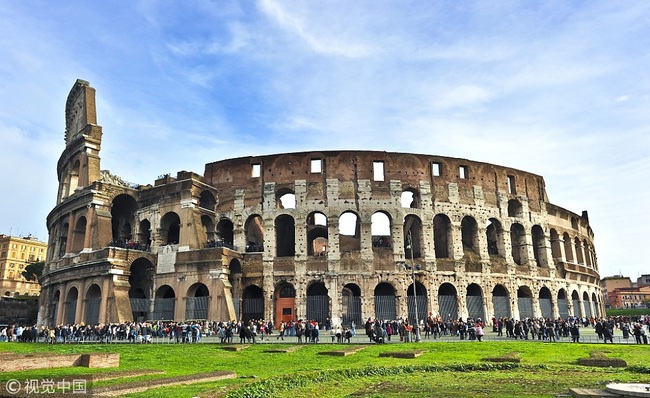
(556, 88)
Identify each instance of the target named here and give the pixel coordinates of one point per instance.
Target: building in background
(15, 254)
(336, 236)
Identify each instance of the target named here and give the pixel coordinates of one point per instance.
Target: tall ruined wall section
(346, 181)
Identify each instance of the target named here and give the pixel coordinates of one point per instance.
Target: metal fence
(448, 307)
(525, 305)
(196, 307)
(385, 308)
(352, 310)
(475, 307)
(501, 306)
(92, 310)
(546, 306)
(318, 308)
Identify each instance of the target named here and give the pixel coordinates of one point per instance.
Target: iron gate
(92, 310)
(385, 308)
(546, 306)
(318, 308)
(475, 307)
(501, 306)
(352, 310)
(252, 308)
(163, 309)
(525, 305)
(196, 307)
(563, 308)
(448, 307)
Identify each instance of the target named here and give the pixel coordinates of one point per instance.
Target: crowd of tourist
(310, 331)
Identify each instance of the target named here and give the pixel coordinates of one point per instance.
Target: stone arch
(92, 303)
(318, 306)
(170, 228)
(442, 236)
(380, 229)
(587, 250)
(317, 234)
(413, 236)
(385, 303)
(62, 238)
(70, 306)
(525, 302)
(448, 301)
(123, 208)
(351, 305)
(144, 234)
(518, 242)
(568, 248)
(469, 234)
(285, 199)
(208, 228)
(73, 178)
(285, 303)
(141, 288)
(515, 209)
(252, 303)
(225, 232)
(546, 303)
(197, 301)
(349, 232)
(562, 304)
(494, 232)
(501, 302)
(539, 246)
(254, 230)
(207, 200)
(422, 302)
(164, 303)
(79, 235)
(575, 301)
(596, 305)
(579, 254)
(587, 305)
(556, 247)
(285, 236)
(410, 198)
(475, 307)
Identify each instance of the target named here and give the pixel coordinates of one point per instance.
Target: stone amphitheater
(344, 235)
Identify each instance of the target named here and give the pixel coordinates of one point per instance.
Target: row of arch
(494, 240)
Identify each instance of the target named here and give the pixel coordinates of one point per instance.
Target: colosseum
(344, 235)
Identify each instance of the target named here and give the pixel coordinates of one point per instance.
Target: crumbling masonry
(344, 235)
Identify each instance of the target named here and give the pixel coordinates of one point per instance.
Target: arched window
(518, 242)
(317, 235)
(412, 237)
(442, 236)
(380, 228)
(494, 233)
(349, 232)
(539, 246)
(285, 236)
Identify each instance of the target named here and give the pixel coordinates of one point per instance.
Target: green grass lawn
(444, 369)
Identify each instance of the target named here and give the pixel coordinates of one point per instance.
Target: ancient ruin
(344, 235)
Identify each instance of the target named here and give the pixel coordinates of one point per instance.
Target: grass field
(443, 369)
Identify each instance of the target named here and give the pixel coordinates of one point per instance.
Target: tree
(33, 271)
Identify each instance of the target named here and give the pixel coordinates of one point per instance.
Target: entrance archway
(448, 301)
(285, 303)
(351, 304)
(385, 309)
(318, 305)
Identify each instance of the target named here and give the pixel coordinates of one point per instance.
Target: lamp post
(412, 267)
